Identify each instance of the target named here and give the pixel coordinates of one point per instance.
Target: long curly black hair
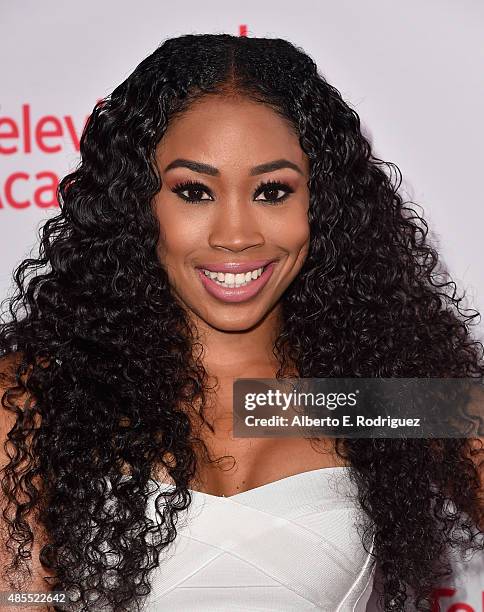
(105, 352)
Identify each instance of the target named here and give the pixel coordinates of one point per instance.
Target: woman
(223, 155)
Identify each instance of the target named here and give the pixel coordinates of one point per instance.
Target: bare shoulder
(8, 369)
(20, 398)
(476, 454)
(476, 443)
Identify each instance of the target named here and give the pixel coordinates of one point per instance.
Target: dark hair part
(109, 352)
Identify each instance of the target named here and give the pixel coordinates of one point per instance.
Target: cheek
(300, 235)
(293, 232)
(178, 236)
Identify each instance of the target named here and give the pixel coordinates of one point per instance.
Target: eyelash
(263, 186)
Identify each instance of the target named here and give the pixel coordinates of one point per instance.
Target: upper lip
(236, 267)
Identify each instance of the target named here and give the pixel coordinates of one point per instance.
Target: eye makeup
(264, 186)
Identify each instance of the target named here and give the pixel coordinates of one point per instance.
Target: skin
(231, 221)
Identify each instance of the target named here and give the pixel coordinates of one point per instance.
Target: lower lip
(237, 294)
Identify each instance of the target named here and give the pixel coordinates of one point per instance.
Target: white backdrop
(412, 70)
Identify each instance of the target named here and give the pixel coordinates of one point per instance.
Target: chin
(232, 324)
(231, 317)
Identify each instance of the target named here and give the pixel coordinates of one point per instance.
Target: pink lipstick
(236, 294)
(236, 267)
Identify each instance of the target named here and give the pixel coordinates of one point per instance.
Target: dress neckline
(265, 487)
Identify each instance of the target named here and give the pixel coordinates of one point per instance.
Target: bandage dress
(287, 546)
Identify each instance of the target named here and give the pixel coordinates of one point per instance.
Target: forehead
(235, 131)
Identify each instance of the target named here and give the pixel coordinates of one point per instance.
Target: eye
(196, 189)
(274, 187)
(190, 186)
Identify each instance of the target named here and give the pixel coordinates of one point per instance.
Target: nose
(236, 227)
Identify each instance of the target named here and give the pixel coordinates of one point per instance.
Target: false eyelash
(189, 183)
(262, 186)
(259, 189)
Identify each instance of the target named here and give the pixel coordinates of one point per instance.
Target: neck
(246, 353)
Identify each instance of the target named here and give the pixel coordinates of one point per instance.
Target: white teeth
(229, 279)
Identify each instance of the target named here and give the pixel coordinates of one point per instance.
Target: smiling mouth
(233, 287)
(231, 280)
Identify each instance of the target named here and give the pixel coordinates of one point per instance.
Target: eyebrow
(212, 171)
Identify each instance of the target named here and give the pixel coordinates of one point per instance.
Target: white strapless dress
(287, 546)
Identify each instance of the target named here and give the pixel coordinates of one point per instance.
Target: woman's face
(250, 238)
